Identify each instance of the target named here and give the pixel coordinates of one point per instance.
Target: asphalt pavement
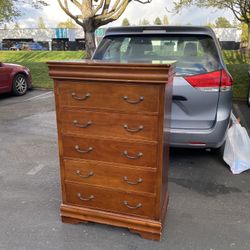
(208, 209)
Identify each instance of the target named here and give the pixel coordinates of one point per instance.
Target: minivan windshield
(194, 54)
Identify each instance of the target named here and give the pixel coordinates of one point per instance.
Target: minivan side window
(194, 54)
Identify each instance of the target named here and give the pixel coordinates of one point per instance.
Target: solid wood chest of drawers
(113, 148)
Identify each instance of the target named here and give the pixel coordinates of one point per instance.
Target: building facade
(50, 39)
(73, 39)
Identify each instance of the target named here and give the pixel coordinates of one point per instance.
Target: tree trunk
(89, 31)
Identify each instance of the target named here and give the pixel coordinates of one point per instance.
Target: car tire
(19, 85)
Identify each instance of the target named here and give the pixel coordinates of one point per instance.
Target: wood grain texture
(110, 200)
(107, 96)
(104, 124)
(111, 71)
(111, 151)
(105, 174)
(108, 174)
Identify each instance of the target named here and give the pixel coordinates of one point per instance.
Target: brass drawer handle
(77, 124)
(130, 207)
(77, 148)
(74, 95)
(139, 155)
(125, 98)
(133, 130)
(78, 173)
(91, 197)
(125, 178)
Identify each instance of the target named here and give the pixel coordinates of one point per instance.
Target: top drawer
(120, 97)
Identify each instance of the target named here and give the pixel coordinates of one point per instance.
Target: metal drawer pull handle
(78, 172)
(125, 98)
(91, 197)
(77, 124)
(139, 155)
(133, 130)
(136, 207)
(125, 178)
(74, 95)
(77, 148)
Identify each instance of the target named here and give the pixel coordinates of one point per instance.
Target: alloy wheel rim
(21, 85)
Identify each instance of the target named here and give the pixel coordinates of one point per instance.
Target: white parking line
(41, 96)
(36, 169)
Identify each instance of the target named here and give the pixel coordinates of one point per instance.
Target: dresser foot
(147, 235)
(72, 220)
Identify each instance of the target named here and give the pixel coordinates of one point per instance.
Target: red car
(14, 78)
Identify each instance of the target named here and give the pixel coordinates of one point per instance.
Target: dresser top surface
(150, 64)
(157, 73)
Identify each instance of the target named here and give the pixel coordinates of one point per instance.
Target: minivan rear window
(194, 54)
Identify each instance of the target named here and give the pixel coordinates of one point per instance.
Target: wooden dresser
(113, 149)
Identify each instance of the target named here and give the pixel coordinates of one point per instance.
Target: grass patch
(40, 77)
(238, 66)
(36, 62)
(239, 73)
(39, 56)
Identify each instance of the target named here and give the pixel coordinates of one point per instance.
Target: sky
(135, 12)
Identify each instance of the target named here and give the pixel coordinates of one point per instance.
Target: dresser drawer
(109, 199)
(110, 175)
(109, 124)
(128, 98)
(139, 154)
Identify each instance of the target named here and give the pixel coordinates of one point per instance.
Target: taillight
(226, 81)
(212, 81)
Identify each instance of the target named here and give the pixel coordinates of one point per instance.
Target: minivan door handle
(179, 98)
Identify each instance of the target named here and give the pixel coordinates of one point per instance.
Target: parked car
(202, 88)
(14, 78)
(32, 46)
(16, 47)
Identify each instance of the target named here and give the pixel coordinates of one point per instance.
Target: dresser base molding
(146, 228)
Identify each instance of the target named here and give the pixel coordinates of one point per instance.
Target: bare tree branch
(143, 2)
(66, 10)
(77, 4)
(113, 11)
(116, 14)
(99, 6)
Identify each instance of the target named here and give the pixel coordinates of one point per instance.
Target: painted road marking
(41, 96)
(36, 169)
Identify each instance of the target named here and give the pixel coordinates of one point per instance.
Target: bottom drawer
(110, 200)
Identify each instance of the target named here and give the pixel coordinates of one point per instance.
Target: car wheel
(20, 85)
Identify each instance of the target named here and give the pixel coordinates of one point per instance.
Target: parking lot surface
(209, 207)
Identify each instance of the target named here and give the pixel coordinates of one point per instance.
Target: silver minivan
(202, 89)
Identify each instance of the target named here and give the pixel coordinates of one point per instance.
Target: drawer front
(109, 124)
(110, 200)
(110, 175)
(110, 151)
(128, 98)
